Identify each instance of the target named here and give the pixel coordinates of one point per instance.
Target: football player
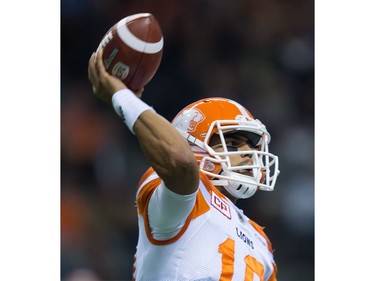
(213, 153)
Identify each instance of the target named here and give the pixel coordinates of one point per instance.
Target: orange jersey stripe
(261, 232)
(144, 197)
(145, 176)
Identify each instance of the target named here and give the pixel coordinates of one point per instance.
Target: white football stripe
(137, 16)
(134, 42)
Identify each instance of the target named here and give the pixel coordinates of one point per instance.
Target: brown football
(132, 49)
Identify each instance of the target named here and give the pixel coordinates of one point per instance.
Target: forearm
(167, 151)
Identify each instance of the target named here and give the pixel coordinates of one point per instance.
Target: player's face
(234, 142)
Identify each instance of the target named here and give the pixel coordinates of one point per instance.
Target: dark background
(259, 53)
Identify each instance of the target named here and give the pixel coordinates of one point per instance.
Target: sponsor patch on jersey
(221, 205)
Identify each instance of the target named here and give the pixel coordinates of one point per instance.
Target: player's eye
(232, 146)
(235, 145)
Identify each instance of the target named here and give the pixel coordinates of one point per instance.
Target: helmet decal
(196, 118)
(189, 120)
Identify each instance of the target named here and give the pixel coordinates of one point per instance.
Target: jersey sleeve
(168, 211)
(164, 210)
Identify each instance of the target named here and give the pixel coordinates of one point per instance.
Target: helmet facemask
(243, 180)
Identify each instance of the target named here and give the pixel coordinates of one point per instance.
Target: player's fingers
(92, 69)
(99, 63)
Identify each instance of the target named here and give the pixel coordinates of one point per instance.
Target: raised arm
(167, 151)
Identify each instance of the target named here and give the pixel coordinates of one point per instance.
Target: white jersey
(216, 241)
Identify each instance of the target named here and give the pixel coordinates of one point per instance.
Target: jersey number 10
(253, 267)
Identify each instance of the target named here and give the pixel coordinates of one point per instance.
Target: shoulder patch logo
(221, 205)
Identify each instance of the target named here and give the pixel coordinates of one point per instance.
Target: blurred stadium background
(259, 53)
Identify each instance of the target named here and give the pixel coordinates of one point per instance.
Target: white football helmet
(199, 121)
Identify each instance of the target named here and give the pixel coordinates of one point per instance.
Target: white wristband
(128, 106)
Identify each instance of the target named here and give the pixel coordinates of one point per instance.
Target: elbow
(187, 164)
(184, 164)
(182, 175)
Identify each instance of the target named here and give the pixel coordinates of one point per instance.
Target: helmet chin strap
(239, 189)
(191, 139)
